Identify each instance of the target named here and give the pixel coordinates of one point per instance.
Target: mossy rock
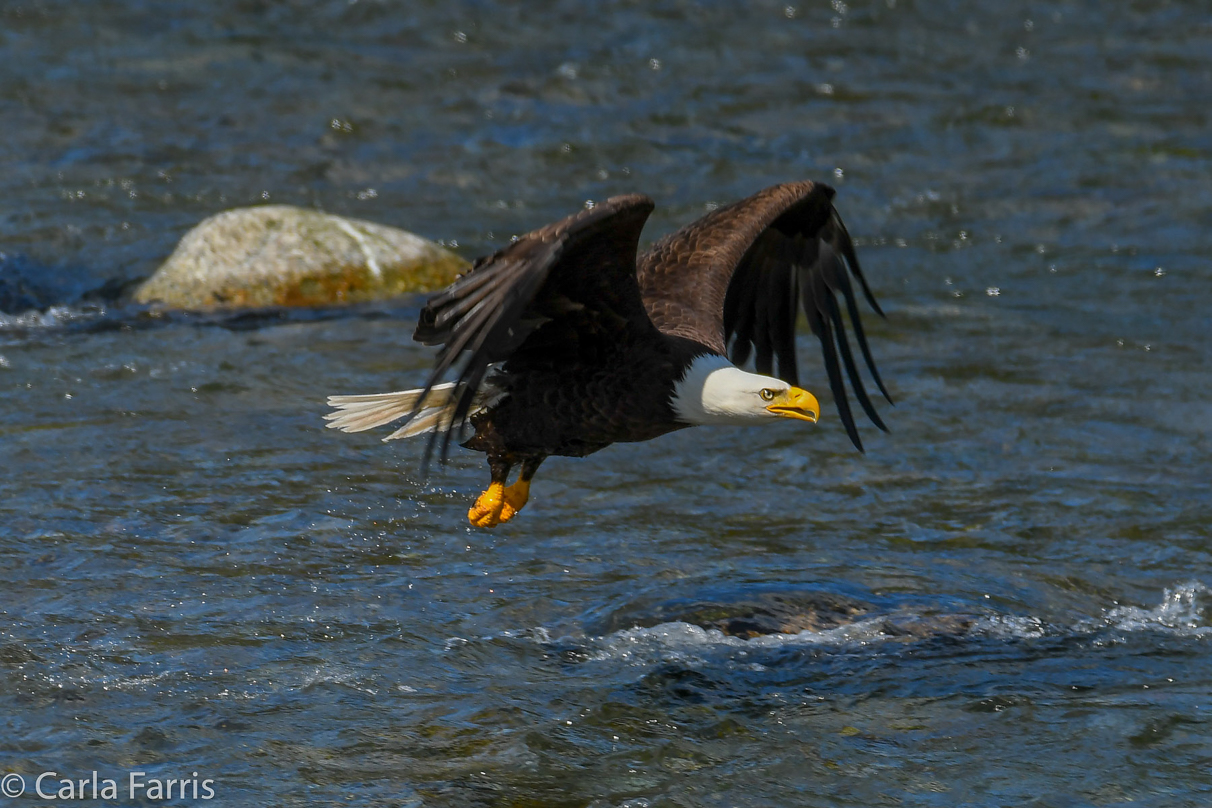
(278, 255)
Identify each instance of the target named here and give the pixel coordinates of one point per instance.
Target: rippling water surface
(198, 577)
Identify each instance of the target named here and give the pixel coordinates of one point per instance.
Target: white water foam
(537, 635)
(53, 317)
(675, 639)
(1009, 626)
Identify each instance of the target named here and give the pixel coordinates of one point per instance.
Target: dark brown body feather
(587, 405)
(587, 342)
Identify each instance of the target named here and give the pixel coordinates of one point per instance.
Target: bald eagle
(566, 341)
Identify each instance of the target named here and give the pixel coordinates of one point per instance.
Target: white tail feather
(359, 413)
(426, 421)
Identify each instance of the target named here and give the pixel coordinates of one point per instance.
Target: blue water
(197, 577)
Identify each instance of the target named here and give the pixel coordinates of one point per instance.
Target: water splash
(53, 317)
(1183, 610)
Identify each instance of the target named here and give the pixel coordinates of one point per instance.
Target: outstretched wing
(737, 273)
(579, 273)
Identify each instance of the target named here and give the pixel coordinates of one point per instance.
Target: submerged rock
(278, 255)
(778, 613)
(791, 613)
(757, 614)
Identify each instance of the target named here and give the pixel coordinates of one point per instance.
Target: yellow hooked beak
(795, 403)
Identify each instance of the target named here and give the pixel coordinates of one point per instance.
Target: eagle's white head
(715, 391)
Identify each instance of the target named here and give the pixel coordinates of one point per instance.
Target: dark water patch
(29, 287)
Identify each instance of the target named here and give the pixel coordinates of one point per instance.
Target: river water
(197, 577)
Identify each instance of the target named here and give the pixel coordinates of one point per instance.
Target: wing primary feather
(482, 274)
(435, 326)
(834, 273)
(465, 385)
(847, 247)
(466, 334)
(789, 370)
(785, 294)
(856, 381)
(463, 334)
(446, 329)
(857, 323)
(468, 383)
(821, 327)
(460, 307)
(487, 318)
(763, 356)
(470, 332)
(744, 306)
(477, 364)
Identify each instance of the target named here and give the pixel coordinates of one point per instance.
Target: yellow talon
(516, 496)
(487, 510)
(499, 504)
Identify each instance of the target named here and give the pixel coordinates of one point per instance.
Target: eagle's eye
(767, 394)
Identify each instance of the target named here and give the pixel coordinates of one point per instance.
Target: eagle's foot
(499, 504)
(487, 512)
(516, 496)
